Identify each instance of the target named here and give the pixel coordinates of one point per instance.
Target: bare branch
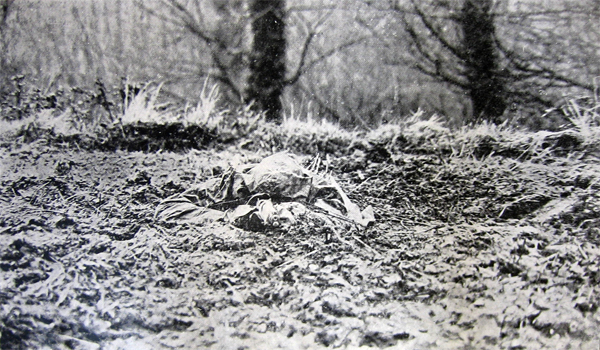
(299, 70)
(312, 32)
(322, 104)
(182, 16)
(526, 69)
(499, 14)
(332, 52)
(373, 32)
(438, 36)
(224, 77)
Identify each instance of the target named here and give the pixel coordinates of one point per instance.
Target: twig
(366, 245)
(297, 259)
(339, 217)
(582, 252)
(430, 229)
(517, 201)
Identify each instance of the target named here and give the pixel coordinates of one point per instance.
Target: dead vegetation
(485, 237)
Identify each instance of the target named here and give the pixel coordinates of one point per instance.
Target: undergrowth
(485, 235)
(140, 119)
(543, 163)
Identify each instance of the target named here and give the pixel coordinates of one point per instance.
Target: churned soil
(465, 253)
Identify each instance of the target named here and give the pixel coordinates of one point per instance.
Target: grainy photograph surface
(299, 174)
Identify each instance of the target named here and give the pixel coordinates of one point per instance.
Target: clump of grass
(584, 116)
(144, 108)
(206, 112)
(79, 113)
(416, 132)
(61, 124)
(43, 123)
(311, 126)
(580, 137)
(419, 133)
(419, 127)
(310, 134)
(226, 124)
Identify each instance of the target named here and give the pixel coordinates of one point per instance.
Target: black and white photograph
(299, 174)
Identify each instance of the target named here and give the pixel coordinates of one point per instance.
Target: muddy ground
(466, 253)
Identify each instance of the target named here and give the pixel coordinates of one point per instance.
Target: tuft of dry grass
(305, 132)
(206, 113)
(312, 126)
(585, 119)
(144, 108)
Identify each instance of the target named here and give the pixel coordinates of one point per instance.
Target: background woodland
(358, 62)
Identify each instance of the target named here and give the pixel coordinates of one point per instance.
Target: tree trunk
(267, 60)
(486, 88)
(6, 69)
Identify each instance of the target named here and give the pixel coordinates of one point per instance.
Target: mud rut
(465, 254)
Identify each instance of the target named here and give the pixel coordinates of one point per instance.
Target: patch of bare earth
(465, 254)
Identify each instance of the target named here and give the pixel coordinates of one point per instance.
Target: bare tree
(225, 45)
(518, 54)
(219, 26)
(6, 7)
(485, 85)
(268, 60)
(549, 49)
(342, 78)
(456, 45)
